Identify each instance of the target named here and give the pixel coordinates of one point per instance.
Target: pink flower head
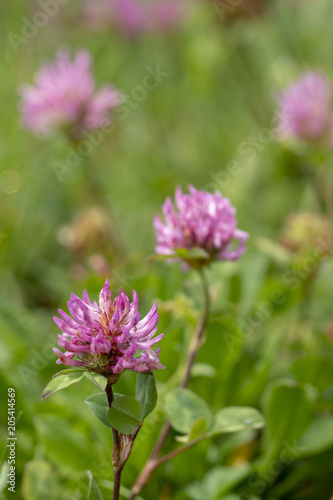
(130, 16)
(203, 221)
(133, 17)
(108, 337)
(305, 109)
(64, 98)
(167, 15)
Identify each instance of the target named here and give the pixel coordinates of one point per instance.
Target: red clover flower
(202, 221)
(108, 337)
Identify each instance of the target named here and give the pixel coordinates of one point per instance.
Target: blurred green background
(216, 105)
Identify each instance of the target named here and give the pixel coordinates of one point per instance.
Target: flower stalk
(108, 338)
(155, 460)
(116, 446)
(199, 334)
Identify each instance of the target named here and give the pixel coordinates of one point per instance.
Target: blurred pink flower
(64, 98)
(132, 17)
(305, 109)
(108, 337)
(201, 220)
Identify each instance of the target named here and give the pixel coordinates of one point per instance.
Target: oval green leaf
(124, 414)
(146, 393)
(183, 408)
(69, 370)
(61, 380)
(199, 429)
(98, 404)
(236, 418)
(95, 378)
